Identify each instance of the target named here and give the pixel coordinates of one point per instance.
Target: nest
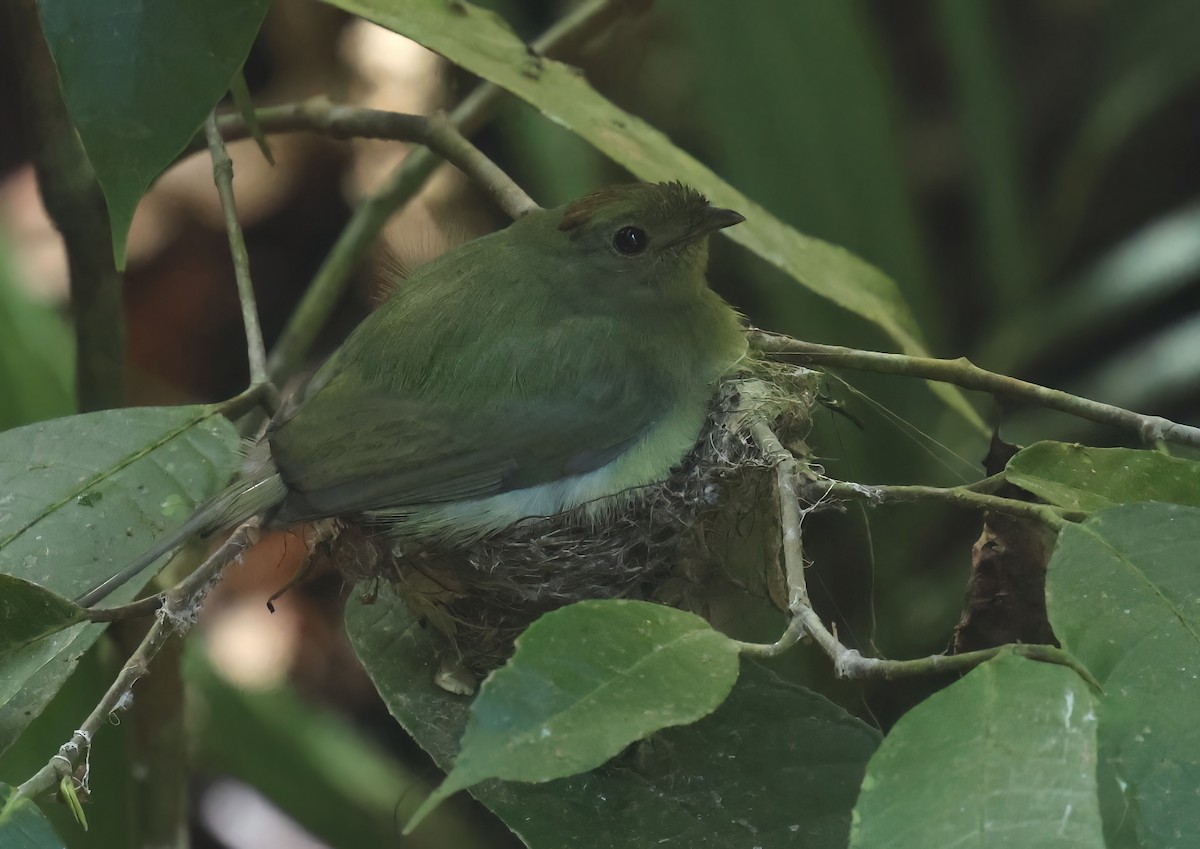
(703, 537)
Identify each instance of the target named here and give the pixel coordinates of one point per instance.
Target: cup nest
(707, 534)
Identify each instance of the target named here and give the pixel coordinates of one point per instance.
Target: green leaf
(1089, 479)
(29, 612)
(138, 80)
(1004, 757)
(66, 792)
(81, 497)
(22, 825)
(1123, 594)
(775, 763)
(585, 682)
(482, 42)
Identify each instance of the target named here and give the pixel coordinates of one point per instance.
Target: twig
(962, 496)
(849, 663)
(142, 607)
(319, 115)
(223, 177)
(367, 220)
(176, 616)
(962, 372)
(263, 395)
(786, 470)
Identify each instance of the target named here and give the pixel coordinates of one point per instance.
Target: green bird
(563, 362)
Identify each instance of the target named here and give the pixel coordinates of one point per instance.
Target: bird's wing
(376, 451)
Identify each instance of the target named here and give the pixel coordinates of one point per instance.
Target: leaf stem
(141, 607)
(437, 132)
(967, 496)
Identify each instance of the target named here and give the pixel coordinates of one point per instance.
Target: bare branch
(223, 177)
(961, 372)
(849, 663)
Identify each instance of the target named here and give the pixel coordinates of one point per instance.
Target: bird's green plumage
(533, 370)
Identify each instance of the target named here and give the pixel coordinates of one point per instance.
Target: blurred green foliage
(36, 354)
(1024, 170)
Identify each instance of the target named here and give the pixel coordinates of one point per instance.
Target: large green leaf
(139, 78)
(22, 825)
(29, 612)
(1004, 757)
(1081, 478)
(585, 682)
(82, 496)
(1123, 593)
(776, 764)
(481, 42)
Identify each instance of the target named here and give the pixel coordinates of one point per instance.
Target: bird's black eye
(630, 241)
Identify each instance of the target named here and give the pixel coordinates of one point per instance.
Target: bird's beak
(715, 218)
(718, 219)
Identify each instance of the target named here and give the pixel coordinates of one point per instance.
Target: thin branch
(176, 616)
(793, 634)
(961, 372)
(849, 663)
(368, 219)
(223, 177)
(961, 496)
(142, 607)
(319, 115)
(791, 518)
(263, 395)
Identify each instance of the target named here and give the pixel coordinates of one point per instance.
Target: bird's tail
(244, 498)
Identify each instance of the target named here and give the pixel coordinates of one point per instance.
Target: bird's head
(647, 232)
